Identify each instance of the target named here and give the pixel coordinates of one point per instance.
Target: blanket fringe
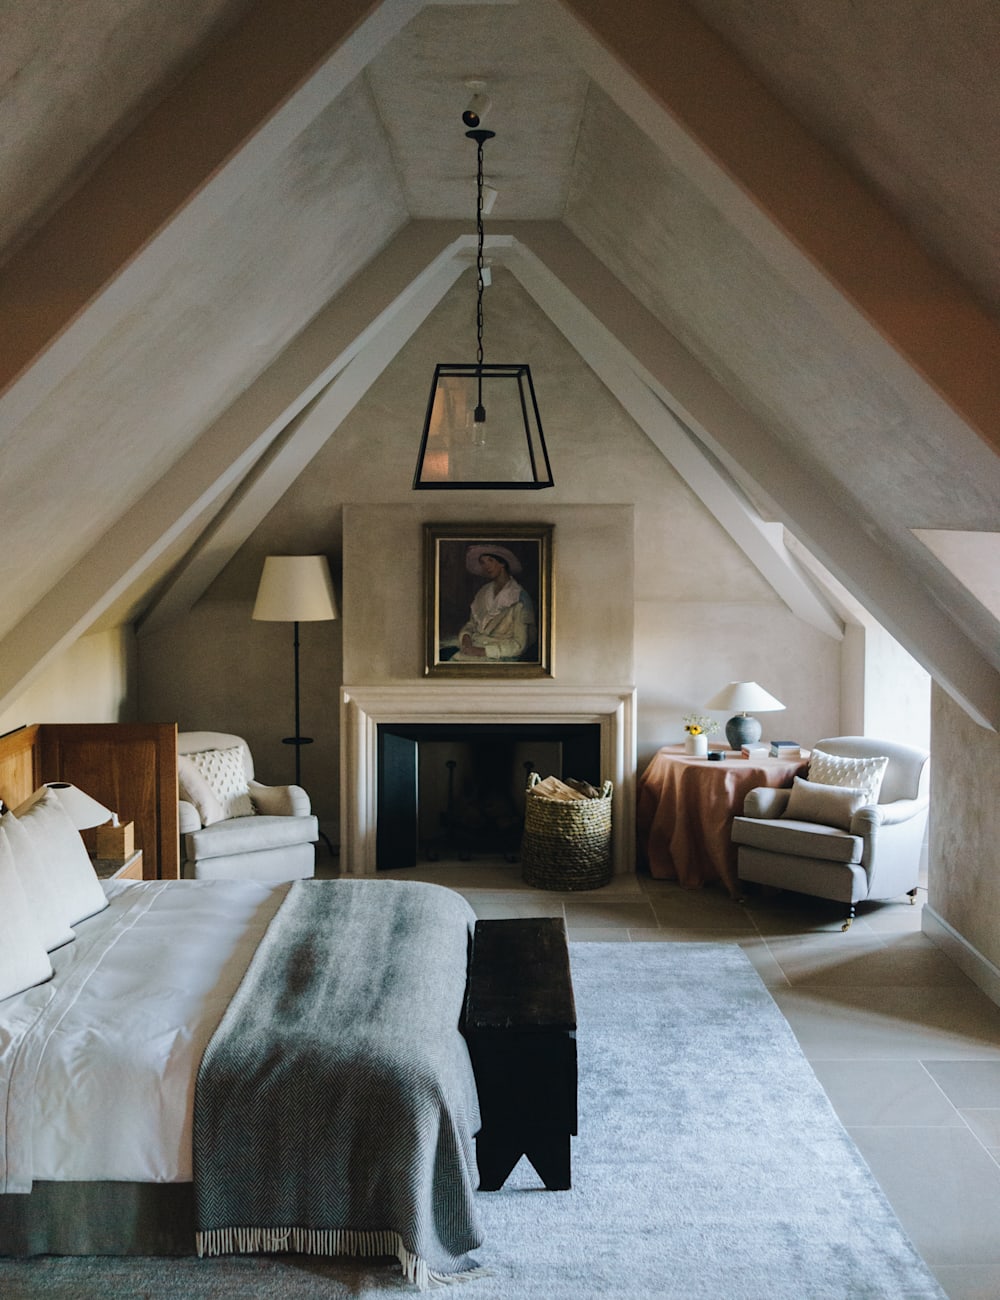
(329, 1241)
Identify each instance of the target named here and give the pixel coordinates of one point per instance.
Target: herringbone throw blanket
(335, 1106)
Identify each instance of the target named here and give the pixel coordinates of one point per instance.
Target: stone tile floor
(905, 1045)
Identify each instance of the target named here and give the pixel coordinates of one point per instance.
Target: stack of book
(757, 750)
(785, 749)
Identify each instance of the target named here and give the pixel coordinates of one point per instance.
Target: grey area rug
(710, 1166)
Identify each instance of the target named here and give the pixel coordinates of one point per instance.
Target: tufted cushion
(857, 773)
(194, 789)
(23, 959)
(224, 772)
(828, 805)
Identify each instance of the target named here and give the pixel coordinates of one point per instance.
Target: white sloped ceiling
(129, 384)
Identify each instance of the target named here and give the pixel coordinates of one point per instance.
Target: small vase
(696, 745)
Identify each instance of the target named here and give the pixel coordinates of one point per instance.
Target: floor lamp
(296, 589)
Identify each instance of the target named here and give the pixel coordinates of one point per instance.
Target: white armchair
(231, 826)
(847, 849)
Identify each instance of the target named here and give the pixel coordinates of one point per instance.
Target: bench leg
(497, 1153)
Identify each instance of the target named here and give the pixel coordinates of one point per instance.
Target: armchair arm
(870, 818)
(901, 810)
(764, 801)
(187, 817)
(280, 800)
(891, 835)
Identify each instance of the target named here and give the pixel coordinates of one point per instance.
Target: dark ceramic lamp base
(742, 730)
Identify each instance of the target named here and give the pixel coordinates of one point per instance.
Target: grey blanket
(335, 1106)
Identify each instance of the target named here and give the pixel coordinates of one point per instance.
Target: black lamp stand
(297, 740)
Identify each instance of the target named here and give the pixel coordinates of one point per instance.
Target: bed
(211, 1064)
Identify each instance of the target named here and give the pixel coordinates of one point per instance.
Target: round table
(685, 808)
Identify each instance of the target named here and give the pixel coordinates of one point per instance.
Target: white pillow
(830, 805)
(64, 860)
(860, 773)
(23, 959)
(194, 789)
(224, 771)
(37, 885)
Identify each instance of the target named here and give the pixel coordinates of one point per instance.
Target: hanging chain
(480, 136)
(480, 286)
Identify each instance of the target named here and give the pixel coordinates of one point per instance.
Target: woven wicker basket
(566, 845)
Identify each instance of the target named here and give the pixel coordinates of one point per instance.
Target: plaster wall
(964, 876)
(593, 564)
(217, 670)
(897, 692)
(93, 681)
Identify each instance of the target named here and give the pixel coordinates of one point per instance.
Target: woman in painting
(501, 624)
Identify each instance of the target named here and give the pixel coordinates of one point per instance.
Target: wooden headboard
(129, 767)
(20, 767)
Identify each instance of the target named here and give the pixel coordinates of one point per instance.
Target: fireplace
(456, 790)
(401, 708)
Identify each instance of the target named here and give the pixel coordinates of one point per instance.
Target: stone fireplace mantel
(364, 708)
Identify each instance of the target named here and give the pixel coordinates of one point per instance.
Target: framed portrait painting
(488, 600)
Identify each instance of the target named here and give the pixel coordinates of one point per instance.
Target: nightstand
(118, 869)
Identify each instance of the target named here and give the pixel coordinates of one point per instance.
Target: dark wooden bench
(520, 1023)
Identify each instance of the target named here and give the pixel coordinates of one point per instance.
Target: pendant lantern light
(482, 428)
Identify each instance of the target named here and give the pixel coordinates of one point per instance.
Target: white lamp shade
(83, 810)
(744, 697)
(295, 589)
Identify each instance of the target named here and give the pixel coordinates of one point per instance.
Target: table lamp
(83, 810)
(742, 697)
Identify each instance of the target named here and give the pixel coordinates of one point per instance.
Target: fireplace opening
(448, 790)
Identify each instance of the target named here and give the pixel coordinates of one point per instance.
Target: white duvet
(97, 1066)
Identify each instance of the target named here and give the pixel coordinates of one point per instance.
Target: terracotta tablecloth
(685, 809)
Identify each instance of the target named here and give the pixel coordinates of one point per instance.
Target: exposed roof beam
(817, 223)
(226, 453)
(328, 398)
(761, 542)
(341, 384)
(848, 546)
(182, 165)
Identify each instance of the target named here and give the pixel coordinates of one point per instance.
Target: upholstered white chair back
(196, 742)
(907, 775)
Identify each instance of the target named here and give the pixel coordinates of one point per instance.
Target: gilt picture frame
(488, 600)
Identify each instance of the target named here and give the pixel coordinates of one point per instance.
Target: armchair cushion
(241, 835)
(864, 772)
(830, 805)
(224, 772)
(195, 791)
(798, 839)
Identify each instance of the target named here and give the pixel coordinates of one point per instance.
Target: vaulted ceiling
(769, 225)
